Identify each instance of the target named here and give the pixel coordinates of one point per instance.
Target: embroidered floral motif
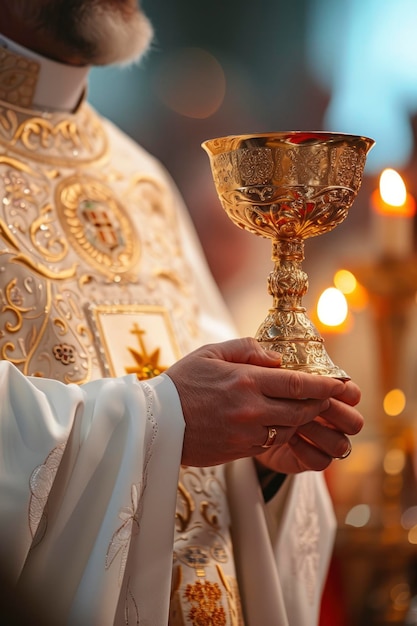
(65, 353)
(131, 612)
(306, 535)
(18, 78)
(206, 598)
(40, 484)
(204, 587)
(18, 190)
(53, 231)
(16, 296)
(59, 139)
(120, 540)
(131, 515)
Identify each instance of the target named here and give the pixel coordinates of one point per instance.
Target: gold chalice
(289, 186)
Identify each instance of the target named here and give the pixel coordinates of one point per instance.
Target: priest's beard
(98, 32)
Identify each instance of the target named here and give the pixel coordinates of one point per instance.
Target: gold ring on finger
(345, 454)
(272, 433)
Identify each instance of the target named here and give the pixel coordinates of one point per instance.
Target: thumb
(247, 350)
(266, 358)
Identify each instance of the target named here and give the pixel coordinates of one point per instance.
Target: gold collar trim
(18, 78)
(58, 139)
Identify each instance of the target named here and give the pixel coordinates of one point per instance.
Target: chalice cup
(288, 186)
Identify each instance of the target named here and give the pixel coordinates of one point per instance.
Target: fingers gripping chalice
(289, 186)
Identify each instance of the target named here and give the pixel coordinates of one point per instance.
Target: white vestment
(103, 285)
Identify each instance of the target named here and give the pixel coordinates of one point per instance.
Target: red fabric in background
(333, 605)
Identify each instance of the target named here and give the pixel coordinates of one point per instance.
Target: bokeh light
(345, 281)
(358, 515)
(394, 402)
(412, 535)
(332, 308)
(392, 187)
(356, 295)
(191, 82)
(409, 517)
(394, 461)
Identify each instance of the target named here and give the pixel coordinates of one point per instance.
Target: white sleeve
(89, 475)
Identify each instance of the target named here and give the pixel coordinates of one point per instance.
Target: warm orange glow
(391, 198)
(332, 307)
(345, 281)
(412, 535)
(394, 402)
(394, 461)
(358, 300)
(392, 188)
(356, 295)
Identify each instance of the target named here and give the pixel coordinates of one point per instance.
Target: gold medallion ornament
(97, 225)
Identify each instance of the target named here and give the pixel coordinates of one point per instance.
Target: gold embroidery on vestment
(183, 517)
(55, 139)
(97, 225)
(204, 587)
(18, 78)
(146, 364)
(160, 351)
(25, 260)
(32, 341)
(205, 600)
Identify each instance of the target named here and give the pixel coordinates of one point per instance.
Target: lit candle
(393, 211)
(332, 312)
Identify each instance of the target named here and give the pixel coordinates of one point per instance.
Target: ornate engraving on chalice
(289, 186)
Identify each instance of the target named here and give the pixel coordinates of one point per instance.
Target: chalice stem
(287, 328)
(287, 283)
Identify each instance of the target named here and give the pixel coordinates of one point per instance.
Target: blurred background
(231, 67)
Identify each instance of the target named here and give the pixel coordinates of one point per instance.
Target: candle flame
(392, 199)
(392, 188)
(332, 308)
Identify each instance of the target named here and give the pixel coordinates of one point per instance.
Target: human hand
(314, 445)
(231, 392)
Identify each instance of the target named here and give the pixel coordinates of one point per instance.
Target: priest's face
(86, 32)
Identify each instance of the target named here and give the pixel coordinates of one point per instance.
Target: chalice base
(293, 335)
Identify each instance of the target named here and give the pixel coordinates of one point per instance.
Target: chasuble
(103, 286)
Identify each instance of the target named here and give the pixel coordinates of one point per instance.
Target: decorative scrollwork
(44, 237)
(287, 213)
(57, 139)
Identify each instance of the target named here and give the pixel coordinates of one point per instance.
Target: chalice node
(288, 186)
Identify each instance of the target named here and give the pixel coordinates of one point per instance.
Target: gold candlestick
(289, 186)
(382, 551)
(391, 285)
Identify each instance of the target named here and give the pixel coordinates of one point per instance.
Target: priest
(155, 469)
